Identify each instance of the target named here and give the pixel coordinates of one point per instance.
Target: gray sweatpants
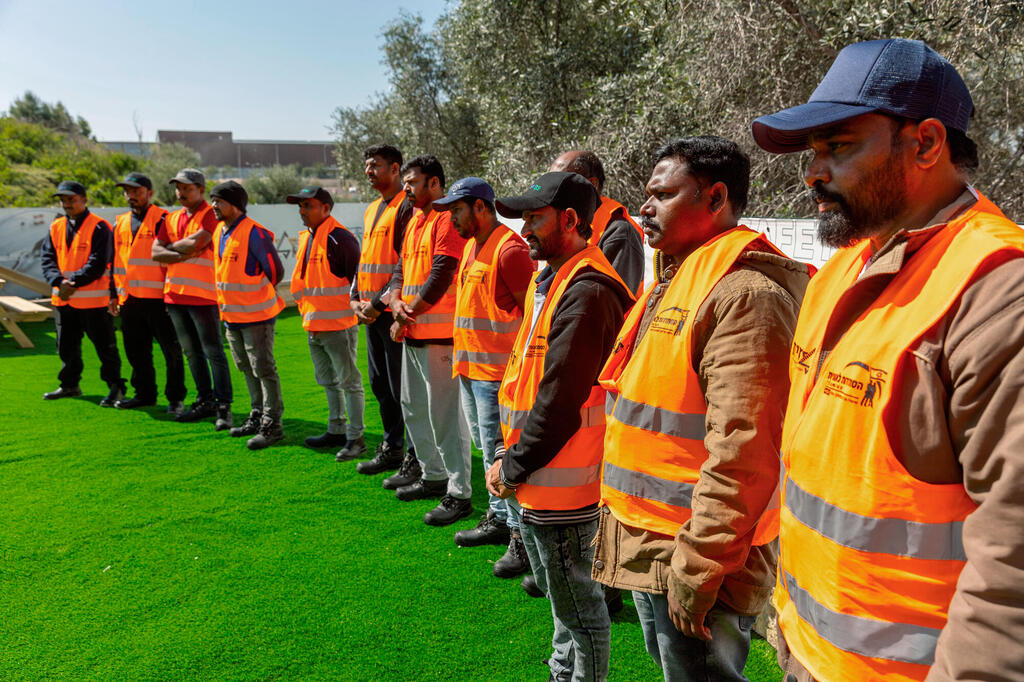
(433, 417)
(334, 366)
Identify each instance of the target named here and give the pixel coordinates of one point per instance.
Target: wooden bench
(15, 309)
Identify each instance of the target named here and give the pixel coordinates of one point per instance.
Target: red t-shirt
(514, 269)
(209, 224)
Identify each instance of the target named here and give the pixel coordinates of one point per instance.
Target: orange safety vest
(242, 298)
(322, 296)
(603, 215)
(136, 274)
(192, 277)
(870, 555)
(571, 479)
(435, 322)
(654, 433)
(377, 259)
(71, 259)
(484, 333)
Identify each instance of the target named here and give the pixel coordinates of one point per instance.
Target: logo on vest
(670, 321)
(799, 357)
(857, 383)
(537, 349)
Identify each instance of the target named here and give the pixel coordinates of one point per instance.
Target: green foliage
(30, 109)
(271, 186)
(34, 158)
(163, 164)
(500, 87)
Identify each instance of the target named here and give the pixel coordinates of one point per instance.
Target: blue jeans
(685, 659)
(480, 405)
(198, 330)
(561, 557)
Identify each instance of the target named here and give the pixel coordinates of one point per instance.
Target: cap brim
(128, 184)
(295, 198)
(513, 207)
(786, 131)
(67, 193)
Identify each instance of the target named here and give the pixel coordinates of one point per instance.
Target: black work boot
(490, 531)
(354, 449)
(116, 395)
(421, 490)
(514, 562)
(134, 403)
(225, 420)
(250, 426)
(270, 432)
(327, 440)
(63, 392)
(386, 459)
(450, 510)
(201, 409)
(407, 474)
(531, 587)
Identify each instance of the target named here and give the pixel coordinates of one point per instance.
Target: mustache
(649, 224)
(818, 193)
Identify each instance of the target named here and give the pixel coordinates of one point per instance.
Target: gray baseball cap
(189, 176)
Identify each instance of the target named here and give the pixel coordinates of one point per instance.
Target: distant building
(221, 149)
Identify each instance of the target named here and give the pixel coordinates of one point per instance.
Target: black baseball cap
(897, 76)
(466, 188)
(558, 189)
(69, 188)
(231, 192)
(189, 176)
(312, 192)
(136, 180)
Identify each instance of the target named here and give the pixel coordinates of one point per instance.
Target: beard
(865, 210)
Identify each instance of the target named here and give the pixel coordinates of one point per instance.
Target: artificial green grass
(138, 548)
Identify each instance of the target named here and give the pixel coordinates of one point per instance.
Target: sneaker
(201, 409)
(116, 395)
(531, 587)
(175, 407)
(407, 474)
(514, 562)
(132, 403)
(249, 427)
(270, 432)
(421, 490)
(225, 420)
(354, 449)
(450, 510)
(62, 392)
(387, 458)
(327, 440)
(490, 531)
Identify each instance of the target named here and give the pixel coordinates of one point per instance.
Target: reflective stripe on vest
(193, 276)
(378, 257)
(483, 333)
(870, 556)
(570, 480)
(71, 259)
(242, 297)
(417, 257)
(136, 274)
(654, 439)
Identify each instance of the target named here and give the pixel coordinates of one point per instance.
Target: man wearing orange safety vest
(902, 523)
(423, 300)
(76, 259)
(184, 242)
(383, 230)
(615, 232)
(139, 299)
(552, 413)
(696, 386)
(325, 267)
(247, 270)
(493, 277)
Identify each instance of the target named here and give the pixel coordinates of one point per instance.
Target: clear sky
(262, 69)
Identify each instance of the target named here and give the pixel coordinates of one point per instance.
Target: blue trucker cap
(896, 76)
(466, 188)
